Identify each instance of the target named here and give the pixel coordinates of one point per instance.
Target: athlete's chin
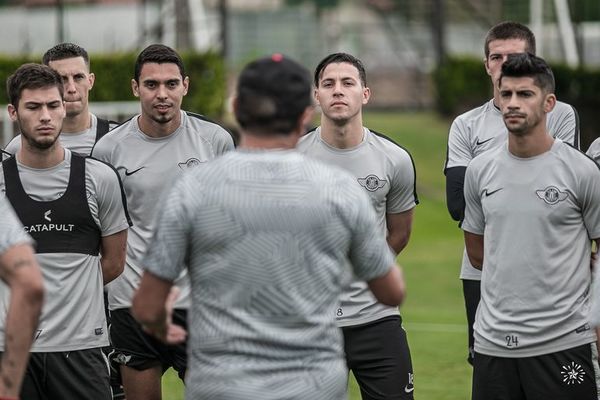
(163, 118)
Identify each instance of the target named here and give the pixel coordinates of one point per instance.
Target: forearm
(111, 269)
(113, 250)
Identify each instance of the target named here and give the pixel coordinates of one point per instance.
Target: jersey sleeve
(473, 221)
(403, 193)
(370, 255)
(223, 141)
(168, 247)
(594, 151)
(563, 123)
(102, 150)
(14, 145)
(459, 149)
(106, 197)
(590, 204)
(11, 230)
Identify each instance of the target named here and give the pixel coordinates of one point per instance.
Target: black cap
(272, 94)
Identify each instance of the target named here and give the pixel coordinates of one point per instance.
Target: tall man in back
(376, 346)
(532, 208)
(81, 129)
(483, 129)
(149, 151)
(267, 248)
(74, 208)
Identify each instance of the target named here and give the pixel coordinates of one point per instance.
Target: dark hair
(272, 94)
(528, 65)
(65, 50)
(32, 76)
(510, 30)
(160, 54)
(337, 58)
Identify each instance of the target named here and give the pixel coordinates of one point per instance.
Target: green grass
(433, 313)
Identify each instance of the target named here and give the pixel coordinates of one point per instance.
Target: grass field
(433, 313)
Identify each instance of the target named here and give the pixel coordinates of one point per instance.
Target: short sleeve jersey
(594, 151)
(537, 216)
(79, 142)
(384, 171)
(11, 230)
(147, 166)
(483, 129)
(266, 249)
(73, 316)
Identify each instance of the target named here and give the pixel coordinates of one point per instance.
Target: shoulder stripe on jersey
(204, 118)
(586, 156)
(381, 135)
(123, 197)
(109, 121)
(4, 152)
(576, 137)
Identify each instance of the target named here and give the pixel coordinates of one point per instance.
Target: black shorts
(136, 349)
(70, 375)
(472, 295)
(377, 353)
(564, 375)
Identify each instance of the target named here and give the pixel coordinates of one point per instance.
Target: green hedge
(114, 73)
(462, 84)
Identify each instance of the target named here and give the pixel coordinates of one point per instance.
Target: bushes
(114, 72)
(462, 84)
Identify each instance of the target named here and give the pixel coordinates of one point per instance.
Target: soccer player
(73, 208)
(150, 151)
(532, 206)
(20, 271)
(81, 129)
(482, 129)
(376, 347)
(267, 250)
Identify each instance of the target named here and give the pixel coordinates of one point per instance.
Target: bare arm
(20, 270)
(113, 251)
(389, 289)
(399, 227)
(152, 307)
(474, 245)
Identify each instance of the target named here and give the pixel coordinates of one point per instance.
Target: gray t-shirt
(537, 216)
(11, 229)
(78, 142)
(147, 166)
(73, 315)
(483, 129)
(266, 248)
(594, 150)
(384, 171)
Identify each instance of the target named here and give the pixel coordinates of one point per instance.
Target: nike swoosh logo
(127, 173)
(478, 143)
(487, 193)
(409, 390)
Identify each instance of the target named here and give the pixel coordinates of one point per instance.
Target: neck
(496, 97)
(532, 144)
(77, 123)
(156, 129)
(254, 141)
(41, 159)
(342, 136)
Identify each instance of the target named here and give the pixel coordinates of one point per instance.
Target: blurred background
(424, 61)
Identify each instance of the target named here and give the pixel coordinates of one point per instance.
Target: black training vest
(64, 225)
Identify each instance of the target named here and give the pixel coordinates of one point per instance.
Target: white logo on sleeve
(47, 215)
(572, 374)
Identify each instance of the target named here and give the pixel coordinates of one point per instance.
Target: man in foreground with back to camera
(482, 129)
(20, 271)
(532, 206)
(267, 249)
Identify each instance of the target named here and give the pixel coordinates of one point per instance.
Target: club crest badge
(372, 183)
(190, 163)
(551, 195)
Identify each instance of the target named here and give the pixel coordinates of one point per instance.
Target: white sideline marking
(434, 327)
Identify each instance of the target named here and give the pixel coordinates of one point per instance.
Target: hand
(175, 333)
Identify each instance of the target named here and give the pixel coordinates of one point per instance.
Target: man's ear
(135, 88)
(549, 102)
(12, 112)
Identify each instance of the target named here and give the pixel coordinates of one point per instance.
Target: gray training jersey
(594, 150)
(73, 315)
(11, 229)
(79, 142)
(147, 166)
(537, 216)
(266, 248)
(385, 171)
(483, 129)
